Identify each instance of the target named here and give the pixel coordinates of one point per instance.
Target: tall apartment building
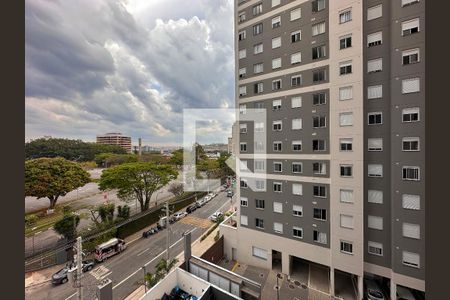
(342, 85)
(115, 138)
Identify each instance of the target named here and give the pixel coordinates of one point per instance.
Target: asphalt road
(126, 268)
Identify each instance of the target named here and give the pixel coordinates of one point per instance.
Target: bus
(109, 248)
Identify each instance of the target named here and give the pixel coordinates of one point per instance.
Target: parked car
(372, 290)
(179, 215)
(215, 216)
(191, 208)
(172, 219)
(211, 195)
(88, 265)
(60, 277)
(229, 193)
(200, 202)
(206, 199)
(150, 232)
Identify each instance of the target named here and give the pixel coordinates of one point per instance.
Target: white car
(179, 215)
(215, 216)
(212, 195)
(207, 198)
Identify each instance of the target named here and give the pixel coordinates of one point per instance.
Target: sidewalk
(198, 248)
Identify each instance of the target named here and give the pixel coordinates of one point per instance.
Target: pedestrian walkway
(197, 222)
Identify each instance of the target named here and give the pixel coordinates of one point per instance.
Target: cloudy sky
(129, 66)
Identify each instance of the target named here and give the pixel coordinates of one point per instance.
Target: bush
(31, 220)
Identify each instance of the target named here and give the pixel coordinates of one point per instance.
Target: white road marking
(100, 272)
(132, 274)
(71, 296)
(140, 253)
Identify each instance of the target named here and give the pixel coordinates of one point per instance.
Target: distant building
(115, 138)
(230, 145)
(215, 147)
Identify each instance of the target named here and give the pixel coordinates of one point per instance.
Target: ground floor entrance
(313, 275)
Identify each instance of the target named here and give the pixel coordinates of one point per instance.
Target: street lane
(138, 253)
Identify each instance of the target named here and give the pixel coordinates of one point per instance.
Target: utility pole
(168, 229)
(79, 267)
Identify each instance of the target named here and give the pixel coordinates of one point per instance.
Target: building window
(375, 170)
(410, 27)
(243, 128)
(346, 196)
(346, 247)
(258, 48)
(375, 222)
(296, 80)
(319, 98)
(375, 144)
(260, 185)
(318, 29)
(346, 144)
(259, 203)
(375, 248)
(278, 227)
(276, 84)
(260, 253)
(375, 118)
(346, 119)
(243, 147)
(296, 36)
(276, 22)
(276, 63)
(409, 2)
(411, 173)
(319, 122)
(296, 102)
(375, 65)
(243, 165)
(259, 147)
(345, 93)
(319, 191)
(258, 88)
(296, 14)
(345, 42)
(410, 56)
(242, 109)
(242, 72)
(277, 146)
(411, 202)
(259, 126)
(319, 168)
(242, 53)
(319, 237)
(258, 68)
(297, 189)
(297, 210)
(257, 9)
(297, 167)
(296, 145)
(375, 196)
(410, 114)
(259, 223)
(277, 187)
(345, 16)
(297, 232)
(242, 35)
(277, 125)
(275, 3)
(374, 91)
(276, 42)
(320, 214)
(257, 29)
(278, 207)
(319, 145)
(319, 76)
(410, 144)
(241, 16)
(259, 106)
(318, 52)
(411, 230)
(244, 183)
(244, 220)
(259, 165)
(374, 12)
(242, 91)
(278, 167)
(345, 68)
(411, 259)
(296, 124)
(276, 104)
(346, 170)
(296, 58)
(244, 201)
(318, 5)
(374, 39)
(411, 85)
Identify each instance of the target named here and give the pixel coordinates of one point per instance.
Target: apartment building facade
(338, 180)
(115, 138)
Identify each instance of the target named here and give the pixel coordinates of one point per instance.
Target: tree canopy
(67, 226)
(76, 150)
(112, 159)
(137, 180)
(53, 177)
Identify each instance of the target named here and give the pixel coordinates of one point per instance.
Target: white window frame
(242, 53)
(295, 14)
(259, 253)
(276, 123)
(296, 58)
(374, 38)
(375, 196)
(243, 128)
(346, 196)
(411, 167)
(374, 114)
(374, 12)
(298, 142)
(346, 93)
(375, 222)
(346, 119)
(375, 91)
(276, 42)
(244, 201)
(411, 230)
(297, 208)
(411, 139)
(410, 111)
(409, 52)
(375, 245)
(411, 202)
(258, 48)
(349, 223)
(298, 124)
(297, 163)
(276, 22)
(410, 90)
(297, 189)
(276, 63)
(375, 65)
(370, 173)
(405, 254)
(277, 163)
(244, 220)
(278, 227)
(296, 102)
(372, 141)
(344, 251)
(242, 72)
(345, 16)
(258, 68)
(278, 207)
(409, 24)
(299, 229)
(318, 28)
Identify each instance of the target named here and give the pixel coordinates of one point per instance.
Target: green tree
(52, 178)
(67, 226)
(177, 158)
(176, 188)
(162, 269)
(123, 212)
(106, 212)
(137, 180)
